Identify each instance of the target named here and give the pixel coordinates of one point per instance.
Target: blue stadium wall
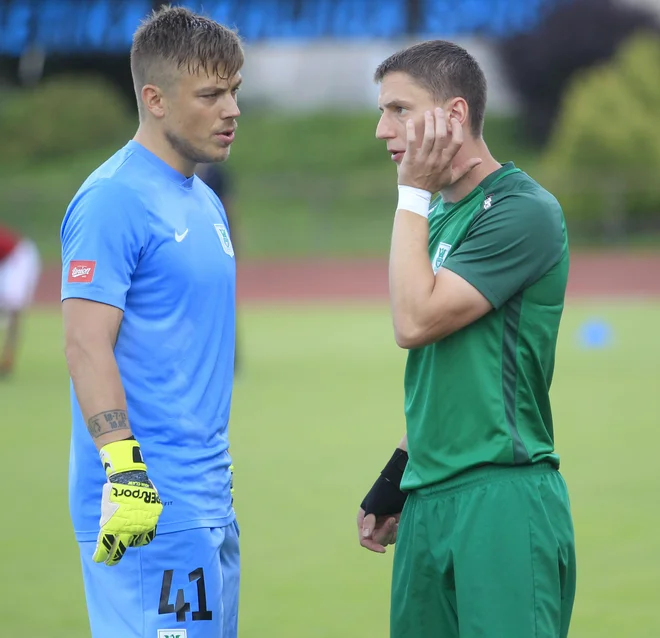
(69, 27)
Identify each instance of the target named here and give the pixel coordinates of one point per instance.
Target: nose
(384, 130)
(232, 110)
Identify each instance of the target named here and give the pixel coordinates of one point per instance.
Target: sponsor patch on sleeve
(81, 272)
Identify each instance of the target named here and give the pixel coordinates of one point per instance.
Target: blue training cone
(595, 333)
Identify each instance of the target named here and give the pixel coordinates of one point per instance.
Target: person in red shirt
(20, 267)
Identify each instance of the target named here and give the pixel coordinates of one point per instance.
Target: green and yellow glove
(130, 505)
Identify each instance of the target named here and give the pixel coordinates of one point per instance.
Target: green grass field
(317, 410)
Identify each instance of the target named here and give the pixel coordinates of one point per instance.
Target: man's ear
(458, 108)
(153, 100)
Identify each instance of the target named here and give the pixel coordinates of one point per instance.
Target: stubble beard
(185, 149)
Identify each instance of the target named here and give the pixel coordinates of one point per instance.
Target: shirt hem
(457, 475)
(168, 528)
(88, 295)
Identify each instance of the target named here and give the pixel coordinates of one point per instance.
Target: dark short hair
(177, 36)
(446, 70)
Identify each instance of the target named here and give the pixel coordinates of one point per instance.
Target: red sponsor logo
(81, 271)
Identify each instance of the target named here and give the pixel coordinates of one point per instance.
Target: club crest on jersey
(224, 238)
(440, 256)
(488, 202)
(172, 633)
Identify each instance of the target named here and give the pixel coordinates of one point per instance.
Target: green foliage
(315, 142)
(603, 158)
(61, 116)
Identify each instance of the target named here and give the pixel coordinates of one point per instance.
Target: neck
(154, 140)
(464, 186)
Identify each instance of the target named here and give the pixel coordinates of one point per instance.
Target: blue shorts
(182, 585)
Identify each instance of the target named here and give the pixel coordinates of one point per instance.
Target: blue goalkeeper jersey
(144, 238)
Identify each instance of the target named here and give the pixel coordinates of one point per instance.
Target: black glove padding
(386, 497)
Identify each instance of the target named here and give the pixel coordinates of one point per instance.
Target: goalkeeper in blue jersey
(148, 299)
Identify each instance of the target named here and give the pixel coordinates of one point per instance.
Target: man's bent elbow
(408, 335)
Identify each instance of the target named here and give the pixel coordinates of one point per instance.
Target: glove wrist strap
(395, 467)
(122, 456)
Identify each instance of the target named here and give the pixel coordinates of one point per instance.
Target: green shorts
(489, 554)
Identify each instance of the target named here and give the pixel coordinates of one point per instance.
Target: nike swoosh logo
(180, 238)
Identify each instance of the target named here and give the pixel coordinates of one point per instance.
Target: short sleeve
(510, 246)
(103, 235)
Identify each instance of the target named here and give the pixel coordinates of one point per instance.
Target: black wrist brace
(386, 497)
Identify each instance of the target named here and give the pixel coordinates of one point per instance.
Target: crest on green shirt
(440, 256)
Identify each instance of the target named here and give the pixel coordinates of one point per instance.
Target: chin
(210, 158)
(220, 155)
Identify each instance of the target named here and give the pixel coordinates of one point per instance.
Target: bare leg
(11, 341)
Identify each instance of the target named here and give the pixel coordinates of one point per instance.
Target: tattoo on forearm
(107, 422)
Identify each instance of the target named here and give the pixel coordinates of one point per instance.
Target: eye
(399, 110)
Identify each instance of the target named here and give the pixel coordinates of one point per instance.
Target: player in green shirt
(472, 495)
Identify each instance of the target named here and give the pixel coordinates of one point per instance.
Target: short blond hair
(176, 38)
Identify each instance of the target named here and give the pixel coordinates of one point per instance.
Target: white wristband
(415, 200)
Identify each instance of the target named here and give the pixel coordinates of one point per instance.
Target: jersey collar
(481, 187)
(169, 172)
(489, 179)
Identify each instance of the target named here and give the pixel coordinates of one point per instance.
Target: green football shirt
(481, 395)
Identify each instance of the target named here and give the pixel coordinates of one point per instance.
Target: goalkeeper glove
(130, 505)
